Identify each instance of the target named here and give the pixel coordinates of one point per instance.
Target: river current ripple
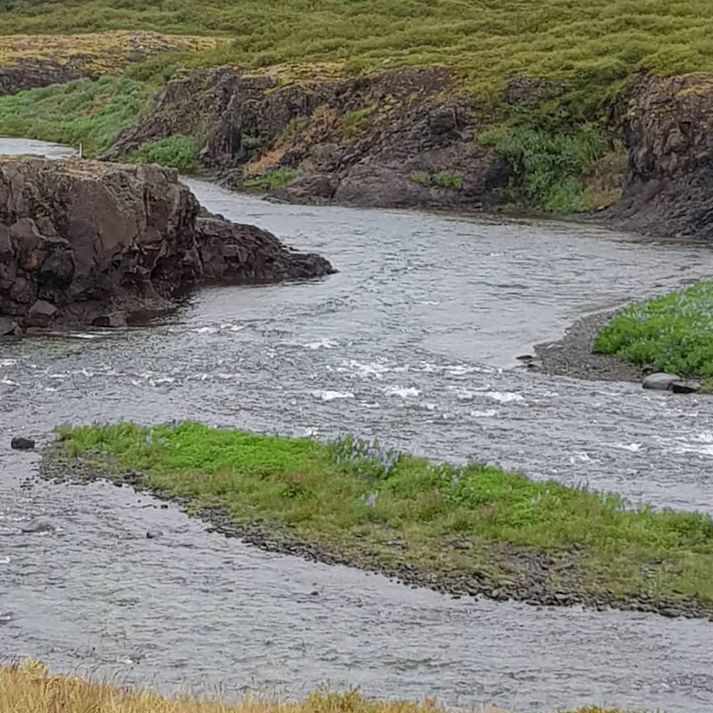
(414, 341)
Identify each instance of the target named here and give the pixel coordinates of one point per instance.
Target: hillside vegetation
(489, 41)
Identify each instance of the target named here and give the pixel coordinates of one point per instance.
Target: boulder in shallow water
(22, 444)
(660, 381)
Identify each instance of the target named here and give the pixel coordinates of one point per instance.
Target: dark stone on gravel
(153, 534)
(660, 381)
(22, 444)
(685, 387)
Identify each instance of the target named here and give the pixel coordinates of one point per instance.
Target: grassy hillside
(85, 112)
(599, 41)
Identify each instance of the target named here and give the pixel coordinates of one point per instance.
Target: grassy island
(471, 529)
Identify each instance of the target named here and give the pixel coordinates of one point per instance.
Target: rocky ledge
(85, 242)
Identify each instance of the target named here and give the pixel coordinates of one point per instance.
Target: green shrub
(448, 179)
(549, 164)
(175, 151)
(353, 122)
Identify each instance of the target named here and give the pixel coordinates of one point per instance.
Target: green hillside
(490, 40)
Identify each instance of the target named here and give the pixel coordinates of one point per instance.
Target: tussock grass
(673, 332)
(598, 42)
(376, 506)
(97, 53)
(88, 112)
(29, 688)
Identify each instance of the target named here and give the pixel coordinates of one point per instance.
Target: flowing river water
(414, 341)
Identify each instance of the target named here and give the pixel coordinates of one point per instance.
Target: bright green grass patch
(357, 498)
(84, 112)
(672, 333)
(270, 180)
(176, 151)
(550, 165)
(449, 180)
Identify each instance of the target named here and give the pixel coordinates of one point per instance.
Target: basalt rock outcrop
(668, 130)
(85, 242)
(403, 138)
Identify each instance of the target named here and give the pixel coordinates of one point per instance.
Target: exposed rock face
(84, 242)
(669, 133)
(394, 139)
(37, 74)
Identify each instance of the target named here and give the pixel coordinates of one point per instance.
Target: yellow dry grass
(29, 688)
(96, 53)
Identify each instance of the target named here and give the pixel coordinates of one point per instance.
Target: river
(413, 341)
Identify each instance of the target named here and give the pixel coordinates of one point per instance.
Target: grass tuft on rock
(380, 509)
(29, 687)
(671, 333)
(176, 151)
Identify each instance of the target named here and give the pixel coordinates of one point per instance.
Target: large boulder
(82, 242)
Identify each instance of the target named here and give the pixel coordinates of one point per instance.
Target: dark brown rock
(8, 328)
(85, 242)
(22, 444)
(41, 314)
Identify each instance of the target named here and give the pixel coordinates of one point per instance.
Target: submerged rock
(85, 242)
(37, 527)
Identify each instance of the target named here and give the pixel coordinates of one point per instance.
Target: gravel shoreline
(528, 583)
(574, 356)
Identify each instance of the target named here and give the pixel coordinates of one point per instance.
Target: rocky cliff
(392, 139)
(88, 242)
(668, 130)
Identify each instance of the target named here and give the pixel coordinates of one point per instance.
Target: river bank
(30, 688)
(575, 355)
